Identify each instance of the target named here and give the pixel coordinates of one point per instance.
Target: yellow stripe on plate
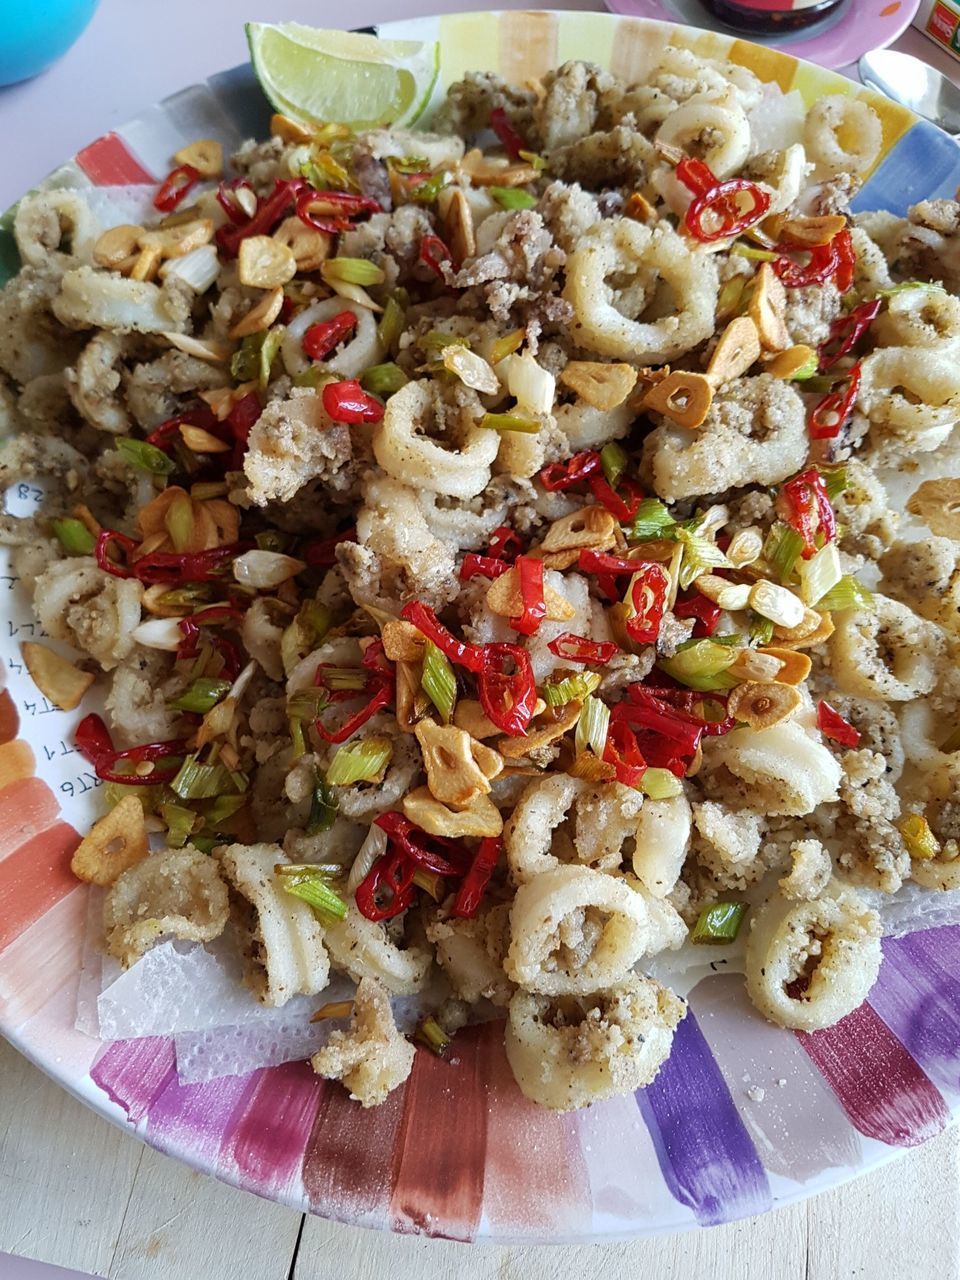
(770, 65)
(588, 36)
(637, 49)
(468, 42)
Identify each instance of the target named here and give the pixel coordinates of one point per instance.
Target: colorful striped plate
(457, 1151)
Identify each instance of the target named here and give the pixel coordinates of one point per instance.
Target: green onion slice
(592, 726)
(74, 536)
(180, 824)
(361, 761)
(782, 550)
(700, 555)
(512, 197)
(323, 808)
(652, 520)
(847, 594)
(614, 461)
(430, 1033)
(510, 422)
(719, 923)
(145, 456)
(761, 629)
(571, 689)
(196, 781)
(352, 271)
(660, 784)
(202, 696)
(391, 322)
(383, 379)
(438, 681)
(269, 350)
(702, 665)
(313, 889)
(533, 160)
(304, 633)
(757, 255)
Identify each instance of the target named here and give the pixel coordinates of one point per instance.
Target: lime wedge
(342, 76)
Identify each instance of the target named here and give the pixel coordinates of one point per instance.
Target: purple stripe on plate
(197, 1118)
(133, 1072)
(798, 1126)
(917, 997)
(705, 1153)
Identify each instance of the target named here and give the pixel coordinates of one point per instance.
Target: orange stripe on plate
(9, 718)
(26, 807)
(34, 878)
(108, 163)
(16, 762)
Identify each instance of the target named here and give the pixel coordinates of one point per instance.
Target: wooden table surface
(76, 1192)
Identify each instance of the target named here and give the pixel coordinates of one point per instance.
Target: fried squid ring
(919, 318)
(653, 269)
(716, 127)
(284, 954)
(77, 602)
(570, 1053)
(574, 930)
(662, 838)
(843, 134)
(372, 1058)
(359, 353)
(887, 652)
(808, 964)
(363, 948)
(174, 893)
(784, 771)
(46, 220)
(407, 454)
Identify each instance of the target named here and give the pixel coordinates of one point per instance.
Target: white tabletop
(78, 1193)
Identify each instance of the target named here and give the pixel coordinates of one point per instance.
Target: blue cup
(34, 33)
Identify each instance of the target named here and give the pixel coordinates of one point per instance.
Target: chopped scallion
(651, 521)
(323, 809)
(146, 457)
(74, 536)
(571, 689)
(719, 923)
(202, 696)
(506, 346)
(512, 197)
(360, 761)
(430, 1033)
(510, 422)
(592, 726)
(196, 781)
(757, 255)
(761, 629)
(383, 379)
(781, 550)
(180, 824)
(659, 784)
(700, 555)
(430, 882)
(614, 460)
(391, 322)
(438, 680)
(920, 841)
(820, 574)
(313, 889)
(835, 481)
(533, 160)
(269, 350)
(702, 665)
(352, 271)
(847, 594)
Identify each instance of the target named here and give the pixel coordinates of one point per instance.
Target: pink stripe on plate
(798, 1127)
(108, 163)
(193, 1120)
(879, 1085)
(265, 1147)
(34, 878)
(134, 1072)
(536, 1177)
(26, 807)
(442, 1144)
(42, 959)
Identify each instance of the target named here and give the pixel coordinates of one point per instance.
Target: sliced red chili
(167, 433)
(269, 212)
(846, 268)
(648, 596)
(822, 262)
(508, 699)
(706, 613)
(833, 726)
(696, 175)
(426, 621)
(576, 648)
(475, 566)
(471, 891)
(434, 254)
(228, 202)
(241, 420)
(656, 716)
(190, 628)
(320, 339)
(623, 751)
(387, 889)
(533, 603)
(604, 563)
(380, 687)
(94, 743)
(163, 566)
(433, 853)
(809, 509)
(622, 505)
(321, 553)
(563, 475)
(830, 416)
(348, 402)
(725, 210)
(504, 543)
(847, 330)
(175, 187)
(512, 143)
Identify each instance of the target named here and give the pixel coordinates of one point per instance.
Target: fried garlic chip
(114, 843)
(284, 951)
(174, 893)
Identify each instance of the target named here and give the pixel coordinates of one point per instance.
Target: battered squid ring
(609, 1043)
(588, 428)
(93, 384)
(838, 935)
(784, 770)
(574, 930)
(919, 318)
(936, 873)
(424, 463)
(46, 219)
(362, 948)
(721, 120)
(783, 176)
(604, 817)
(932, 379)
(843, 134)
(285, 956)
(887, 652)
(621, 247)
(661, 841)
(360, 353)
(76, 601)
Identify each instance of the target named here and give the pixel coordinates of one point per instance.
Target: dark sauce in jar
(768, 17)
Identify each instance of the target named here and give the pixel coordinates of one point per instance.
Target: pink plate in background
(863, 25)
